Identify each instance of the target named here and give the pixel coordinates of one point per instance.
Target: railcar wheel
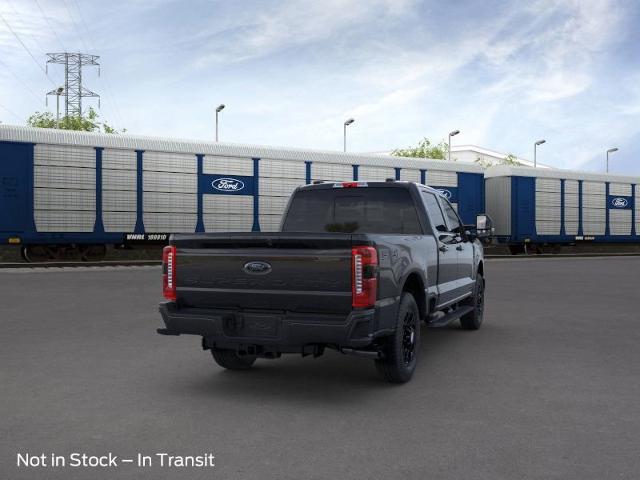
(532, 249)
(93, 253)
(37, 253)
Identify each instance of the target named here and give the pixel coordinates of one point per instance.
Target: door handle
(443, 248)
(459, 248)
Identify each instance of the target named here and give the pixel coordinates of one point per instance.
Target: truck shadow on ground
(333, 377)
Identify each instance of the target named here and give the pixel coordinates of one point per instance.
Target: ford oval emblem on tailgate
(257, 268)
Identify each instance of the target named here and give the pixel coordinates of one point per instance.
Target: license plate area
(253, 325)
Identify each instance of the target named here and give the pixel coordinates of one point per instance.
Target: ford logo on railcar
(257, 268)
(619, 202)
(228, 184)
(445, 193)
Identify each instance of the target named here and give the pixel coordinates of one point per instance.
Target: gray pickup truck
(356, 267)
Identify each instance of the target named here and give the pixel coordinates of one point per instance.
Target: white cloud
(292, 71)
(552, 56)
(290, 23)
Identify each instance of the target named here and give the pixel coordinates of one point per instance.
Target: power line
(26, 29)
(35, 95)
(27, 49)
(112, 99)
(105, 82)
(84, 24)
(46, 18)
(11, 112)
(75, 26)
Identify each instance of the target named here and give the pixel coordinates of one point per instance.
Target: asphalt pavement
(548, 388)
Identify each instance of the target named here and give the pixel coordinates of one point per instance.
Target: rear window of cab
(353, 210)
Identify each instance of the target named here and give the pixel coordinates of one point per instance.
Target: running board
(440, 319)
(362, 353)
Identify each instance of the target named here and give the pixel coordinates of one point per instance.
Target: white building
(487, 157)
(471, 153)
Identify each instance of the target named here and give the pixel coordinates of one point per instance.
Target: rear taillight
(169, 273)
(364, 276)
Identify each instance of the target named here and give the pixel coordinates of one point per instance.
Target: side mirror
(484, 228)
(447, 237)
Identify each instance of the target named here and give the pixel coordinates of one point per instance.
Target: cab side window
(435, 212)
(452, 217)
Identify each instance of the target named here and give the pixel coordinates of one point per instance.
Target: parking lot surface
(548, 388)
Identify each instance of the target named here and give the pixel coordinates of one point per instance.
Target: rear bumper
(280, 331)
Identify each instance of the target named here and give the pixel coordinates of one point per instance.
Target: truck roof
(325, 185)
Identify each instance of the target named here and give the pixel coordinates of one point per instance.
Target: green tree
(510, 159)
(87, 123)
(425, 149)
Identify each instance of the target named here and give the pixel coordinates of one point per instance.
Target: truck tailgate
(263, 271)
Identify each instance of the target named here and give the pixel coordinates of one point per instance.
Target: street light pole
(218, 110)
(58, 93)
(452, 134)
(611, 150)
(346, 123)
(535, 147)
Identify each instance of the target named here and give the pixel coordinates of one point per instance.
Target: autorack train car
(66, 191)
(538, 209)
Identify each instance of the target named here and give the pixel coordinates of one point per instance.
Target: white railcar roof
(509, 171)
(134, 142)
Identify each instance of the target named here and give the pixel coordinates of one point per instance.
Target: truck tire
(402, 348)
(230, 359)
(473, 319)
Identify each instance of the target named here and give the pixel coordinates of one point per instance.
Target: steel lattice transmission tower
(73, 91)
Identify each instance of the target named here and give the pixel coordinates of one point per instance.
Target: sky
(505, 73)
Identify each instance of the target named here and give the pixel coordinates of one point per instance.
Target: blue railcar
(533, 208)
(66, 191)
